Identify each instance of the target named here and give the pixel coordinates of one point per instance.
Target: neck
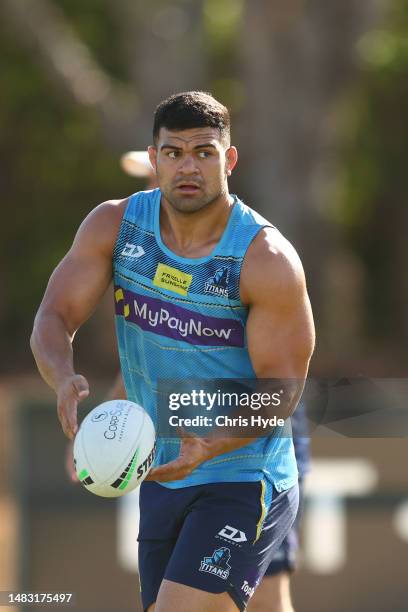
(194, 234)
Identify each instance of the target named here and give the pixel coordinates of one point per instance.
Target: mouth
(188, 188)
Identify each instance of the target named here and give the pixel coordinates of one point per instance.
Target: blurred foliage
(222, 23)
(372, 200)
(55, 168)
(56, 162)
(93, 22)
(57, 165)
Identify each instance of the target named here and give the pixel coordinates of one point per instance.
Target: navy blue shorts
(285, 558)
(216, 537)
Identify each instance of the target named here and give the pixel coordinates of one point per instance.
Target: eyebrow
(200, 146)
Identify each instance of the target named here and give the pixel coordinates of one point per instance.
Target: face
(192, 167)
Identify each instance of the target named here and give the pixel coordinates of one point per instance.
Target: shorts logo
(172, 279)
(247, 589)
(230, 533)
(217, 564)
(218, 284)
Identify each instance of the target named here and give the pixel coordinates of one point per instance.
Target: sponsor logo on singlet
(133, 250)
(218, 284)
(167, 319)
(172, 279)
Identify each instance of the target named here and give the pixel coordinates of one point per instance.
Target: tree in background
(371, 204)
(83, 81)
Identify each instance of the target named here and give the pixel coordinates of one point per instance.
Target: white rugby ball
(114, 448)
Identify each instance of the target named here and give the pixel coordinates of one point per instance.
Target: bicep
(280, 335)
(75, 288)
(78, 282)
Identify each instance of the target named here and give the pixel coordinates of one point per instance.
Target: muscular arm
(75, 288)
(280, 335)
(280, 329)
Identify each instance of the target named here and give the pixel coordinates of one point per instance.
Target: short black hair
(192, 109)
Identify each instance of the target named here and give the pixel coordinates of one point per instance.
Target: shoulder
(272, 269)
(106, 213)
(100, 227)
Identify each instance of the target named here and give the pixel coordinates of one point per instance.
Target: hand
(69, 463)
(69, 393)
(193, 451)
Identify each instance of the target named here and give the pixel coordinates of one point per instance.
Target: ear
(152, 151)
(231, 156)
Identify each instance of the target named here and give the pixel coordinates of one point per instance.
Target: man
(215, 509)
(273, 593)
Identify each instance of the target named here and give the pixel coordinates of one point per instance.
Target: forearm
(242, 430)
(51, 345)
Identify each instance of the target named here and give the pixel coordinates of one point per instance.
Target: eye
(204, 154)
(172, 154)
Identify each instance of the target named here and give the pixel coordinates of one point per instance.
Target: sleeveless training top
(179, 318)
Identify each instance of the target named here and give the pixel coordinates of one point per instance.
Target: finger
(74, 477)
(63, 419)
(184, 433)
(67, 415)
(174, 470)
(166, 477)
(68, 432)
(72, 419)
(69, 463)
(81, 386)
(168, 470)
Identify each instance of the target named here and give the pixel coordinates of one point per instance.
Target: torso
(181, 317)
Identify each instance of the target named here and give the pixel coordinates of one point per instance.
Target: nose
(188, 165)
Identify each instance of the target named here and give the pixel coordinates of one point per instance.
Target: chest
(140, 259)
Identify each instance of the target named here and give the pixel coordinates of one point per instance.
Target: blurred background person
(137, 164)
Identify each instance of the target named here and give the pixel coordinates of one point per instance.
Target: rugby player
(216, 509)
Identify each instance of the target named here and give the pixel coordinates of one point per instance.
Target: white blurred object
(128, 530)
(136, 163)
(325, 529)
(401, 521)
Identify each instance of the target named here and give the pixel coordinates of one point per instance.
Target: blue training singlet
(179, 318)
